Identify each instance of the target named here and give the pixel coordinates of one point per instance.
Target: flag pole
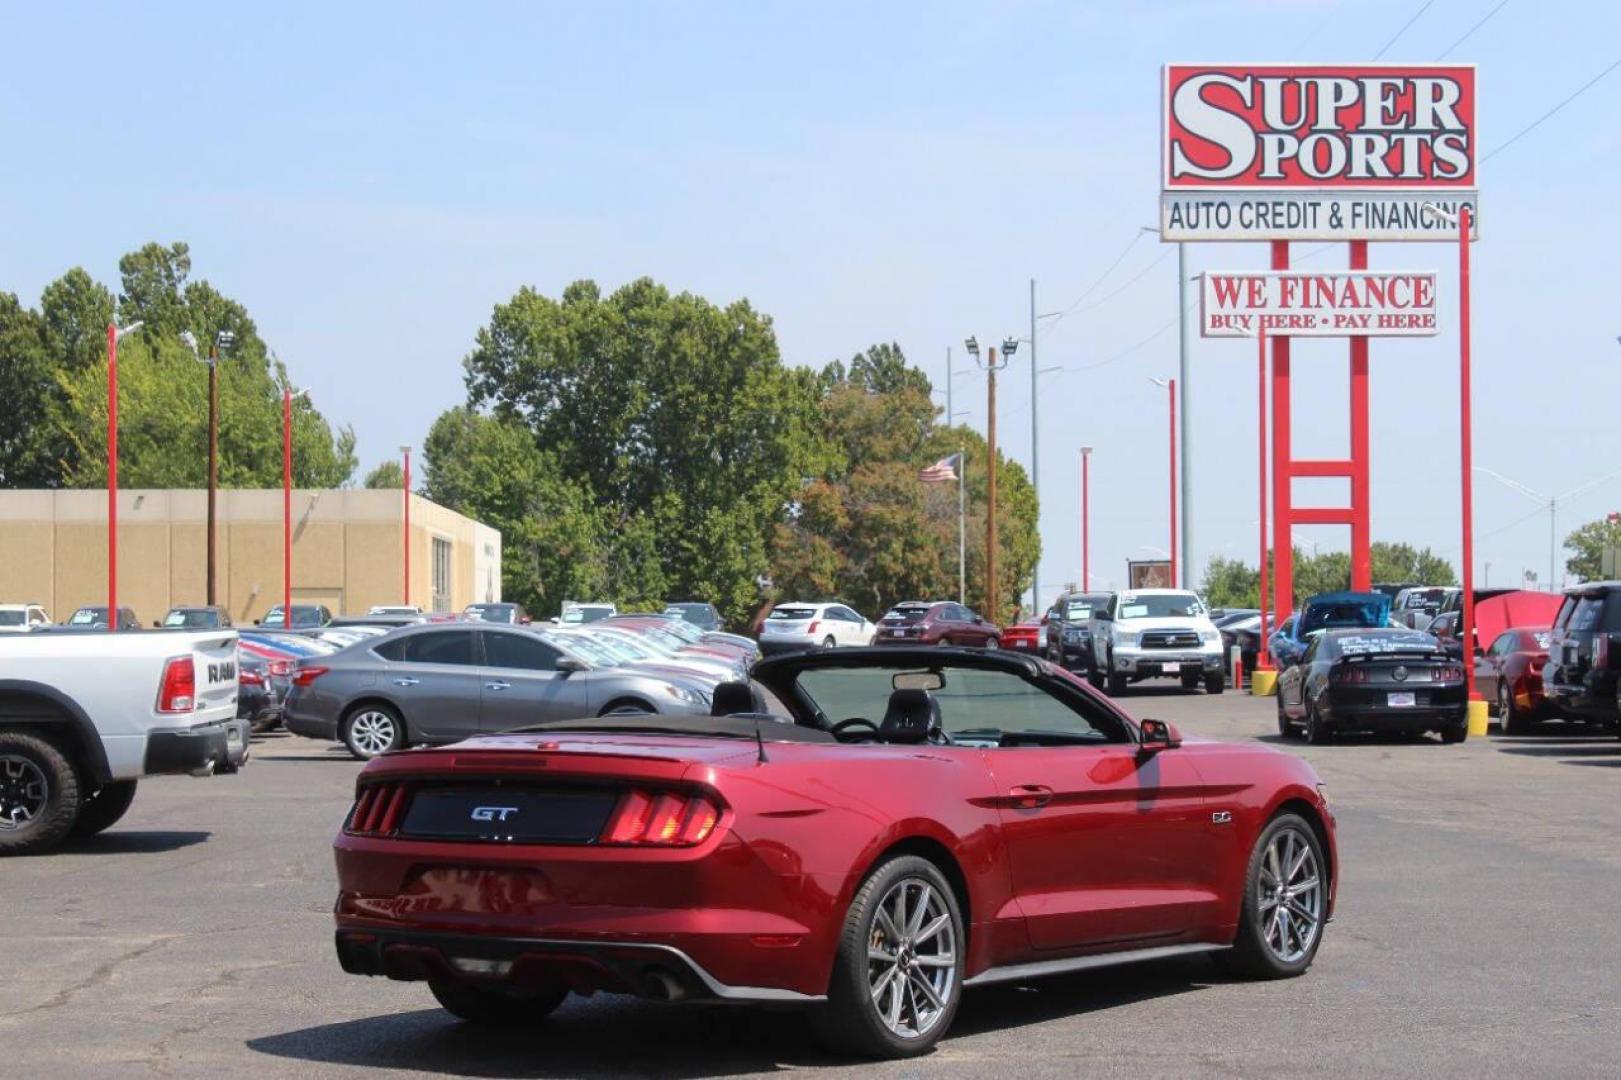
(962, 524)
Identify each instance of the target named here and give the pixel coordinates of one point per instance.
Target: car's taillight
(250, 678)
(280, 669)
(304, 675)
(661, 819)
(1601, 650)
(1452, 673)
(1350, 674)
(811, 629)
(178, 692)
(1538, 663)
(378, 810)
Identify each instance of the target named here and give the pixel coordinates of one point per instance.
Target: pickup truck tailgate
(215, 662)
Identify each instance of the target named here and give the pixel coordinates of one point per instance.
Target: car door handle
(1031, 796)
(407, 681)
(497, 686)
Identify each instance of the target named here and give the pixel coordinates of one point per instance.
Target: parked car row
(433, 683)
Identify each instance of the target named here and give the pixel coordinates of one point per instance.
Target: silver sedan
(437, 683)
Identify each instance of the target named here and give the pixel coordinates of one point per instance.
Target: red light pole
(1263, 662)
(1170, 387)
(113, 334)
(406, 489)
(1086, 520)
(1466, 432)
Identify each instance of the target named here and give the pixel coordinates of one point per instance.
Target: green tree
(1588, 544)
(1230, 583)
(674, 420)
(387, 475)
(1403, 562)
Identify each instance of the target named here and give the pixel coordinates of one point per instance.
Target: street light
(1183, 374)
(224, 339)
(114, 335)
(405, 451)
(287, 399)
(991, 366)
(1171, 388)
(1086, 519)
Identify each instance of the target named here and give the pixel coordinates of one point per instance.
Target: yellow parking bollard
(1477, 716)
(1263, 683)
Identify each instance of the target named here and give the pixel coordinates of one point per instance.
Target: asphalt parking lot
(1477, 936)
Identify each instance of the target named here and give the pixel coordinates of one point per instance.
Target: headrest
(911, 717)
(733, 697)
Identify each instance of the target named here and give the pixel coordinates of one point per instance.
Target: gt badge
(493, 813)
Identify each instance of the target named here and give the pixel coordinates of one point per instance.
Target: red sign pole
(1361, 528)
(1466, 432)
(1262, 661)
(1283, 559)
(287, 507)
(112, 477)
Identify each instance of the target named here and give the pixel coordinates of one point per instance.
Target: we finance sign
(1350, 303)
(1316, 151)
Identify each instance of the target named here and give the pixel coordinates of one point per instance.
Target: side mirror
(567, 664)
(1158, 735)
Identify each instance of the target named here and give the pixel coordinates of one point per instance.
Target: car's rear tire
(39, 794)
(829, 642)
(1280, 923)
(904, 926)
(104, 808)
(1286, 727)
(1095, 677)
(1215, 684)
(993, 642)
(1318, 733)
(373, 730)
(1510, 718)
(1117, 684)
(1455, 733)
(1190, 680)
(495, 1006)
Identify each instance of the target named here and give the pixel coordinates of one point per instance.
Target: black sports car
(1373, 679)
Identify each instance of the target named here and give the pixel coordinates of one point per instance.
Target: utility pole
(962, 523)
(1009, 347)
(951, 417)
(213, 456)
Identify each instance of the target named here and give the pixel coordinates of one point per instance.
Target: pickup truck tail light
(250, 678)
(281, 669)
(1601, 650)
(304, 675)
(661, 819)
(178, 691)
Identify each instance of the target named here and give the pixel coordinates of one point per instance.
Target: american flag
(941, 471)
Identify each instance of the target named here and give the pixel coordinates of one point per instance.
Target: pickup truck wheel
(1117, 684)
(1215, 684)
(105, 807)
(372, 730)
(39, 794)
(1190, 680)
(494, 1006)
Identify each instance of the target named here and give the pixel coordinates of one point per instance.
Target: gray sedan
(438, 683)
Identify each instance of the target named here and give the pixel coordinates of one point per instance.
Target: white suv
(21, 618)
(1148, 633)
(808, 626)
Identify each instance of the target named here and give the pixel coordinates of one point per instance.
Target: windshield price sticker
(1358, 303)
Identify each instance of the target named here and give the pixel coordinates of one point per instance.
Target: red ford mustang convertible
(863, 832)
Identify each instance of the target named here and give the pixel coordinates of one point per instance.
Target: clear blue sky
(371, 178)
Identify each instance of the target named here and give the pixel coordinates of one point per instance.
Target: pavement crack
(100, 975)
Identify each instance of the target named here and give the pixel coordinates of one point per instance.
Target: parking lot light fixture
(1170, 387)
(1086, 523)
(115, 333)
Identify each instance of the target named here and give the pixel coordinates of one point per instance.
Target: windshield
(906, 614)
(587, 613)
(86, 617)
(683, 630)
(1159, 606)
(1375, 644)
(1081, 608)
(784, 614)
(593, 651)
(627, 643)
(976, 706)
(621, 652)
(190, 618)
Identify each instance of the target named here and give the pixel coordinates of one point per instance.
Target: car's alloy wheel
(993, 643)
(372, 731)
(1285, 728)
(24, 792)
(1280, 924)
(897, 978)
(1317, 732)
(1289, 895)
(1510, 720)
(828, 642)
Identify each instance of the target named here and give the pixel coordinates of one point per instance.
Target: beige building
(347, 551)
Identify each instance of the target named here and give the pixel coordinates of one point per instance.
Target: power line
(1484, 19)
(1404, 27)
(1533, 125)
(1101, 278)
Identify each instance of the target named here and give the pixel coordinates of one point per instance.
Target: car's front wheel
(897, 977)
(373, 730)
(495, 1006)
(1280, 923)
(1215, 684)
(1510, 717)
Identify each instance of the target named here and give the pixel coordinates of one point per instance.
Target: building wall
(347, 551)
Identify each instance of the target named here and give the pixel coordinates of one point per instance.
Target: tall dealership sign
(1316, 151)
(1279, 153)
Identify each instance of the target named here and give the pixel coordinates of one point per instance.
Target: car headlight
(1125, 637)
(682, 694)
(1209, 637)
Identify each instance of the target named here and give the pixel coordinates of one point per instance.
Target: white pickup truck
(83, 716)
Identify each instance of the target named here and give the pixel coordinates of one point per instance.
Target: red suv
(919, 622)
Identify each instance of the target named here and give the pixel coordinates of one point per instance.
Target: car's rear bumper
(311, 727)
(1384, 718)
(1590, 699)
(196, 750)
(648, 969)
(775, 646)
